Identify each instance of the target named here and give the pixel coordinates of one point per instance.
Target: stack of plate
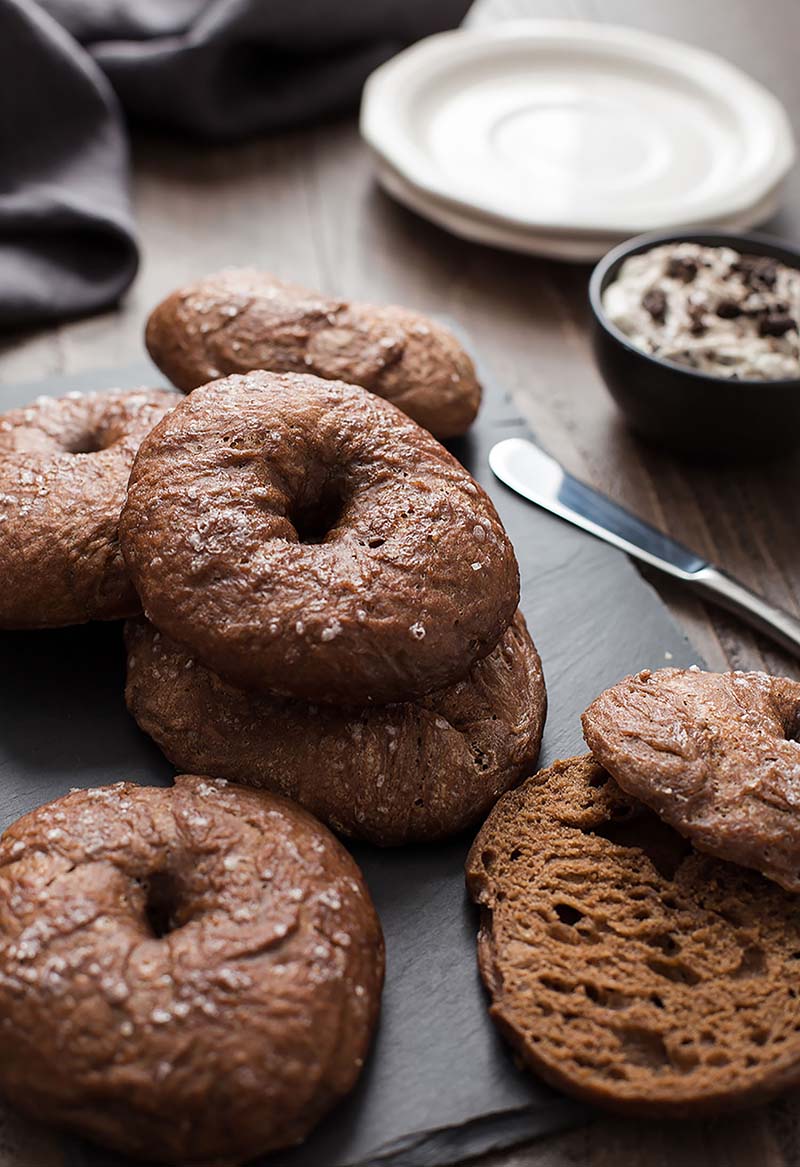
(562, 138)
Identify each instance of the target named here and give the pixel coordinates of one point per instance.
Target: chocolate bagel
(238, 320)
(186, 975)
(715, 755)
(389, 774)
(64, 466)
(624, 966)
(304, 537)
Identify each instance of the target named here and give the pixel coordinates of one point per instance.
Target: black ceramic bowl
(680, 408)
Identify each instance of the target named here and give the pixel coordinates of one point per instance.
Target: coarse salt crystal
(331, 631)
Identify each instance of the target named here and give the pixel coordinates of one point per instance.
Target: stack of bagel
(323, 602)
(331, 609)
(322, 609)
(331, 599)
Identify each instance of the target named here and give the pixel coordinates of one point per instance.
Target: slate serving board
(439, 1086)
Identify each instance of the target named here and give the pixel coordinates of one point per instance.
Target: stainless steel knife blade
(534, 475)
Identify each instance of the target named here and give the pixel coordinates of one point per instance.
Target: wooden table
(305, 206)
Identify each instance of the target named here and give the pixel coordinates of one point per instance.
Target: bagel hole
(315, 517)
(161, 903)
(88, 442)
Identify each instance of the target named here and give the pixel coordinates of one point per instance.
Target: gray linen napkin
(216, 70)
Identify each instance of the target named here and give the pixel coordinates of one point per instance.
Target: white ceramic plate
(574, 248)
(578, 128)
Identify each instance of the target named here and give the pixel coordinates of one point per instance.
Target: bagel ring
(64, 467)
(392, 774)
(716, 755)
(189, 974)
(305, 537)
(239, 319)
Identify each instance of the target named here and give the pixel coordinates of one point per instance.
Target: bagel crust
(240, 319)
(304, 537)
(64, 466)
(716, 755)
(390, 774)
(624, 966)
(186, 975)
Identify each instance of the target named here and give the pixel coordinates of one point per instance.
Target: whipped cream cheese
(711, 308)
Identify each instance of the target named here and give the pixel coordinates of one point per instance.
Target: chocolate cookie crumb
(697, 324)
(775, 325)
(655, 302)
(681, 268)
(758, 271)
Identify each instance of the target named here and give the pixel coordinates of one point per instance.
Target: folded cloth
(67, 243)
(214, 69)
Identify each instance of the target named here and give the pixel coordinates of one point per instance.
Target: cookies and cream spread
(711, 308)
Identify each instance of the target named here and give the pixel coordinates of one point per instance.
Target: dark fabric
(67, 241)
(216, 70)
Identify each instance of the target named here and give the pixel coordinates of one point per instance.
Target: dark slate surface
(439, 1086)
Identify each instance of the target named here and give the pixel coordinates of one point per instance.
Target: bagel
(716, 755)
(623, 966)
(304, 537)
(392, 774)
(189, 974)
(242, 319)
(64, 466)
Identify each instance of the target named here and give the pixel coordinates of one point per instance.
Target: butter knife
(532, 473)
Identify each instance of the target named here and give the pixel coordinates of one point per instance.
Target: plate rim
(563, 246)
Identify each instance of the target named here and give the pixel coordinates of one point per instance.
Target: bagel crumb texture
(64, 467)
(624, 966)
(240, 319)
(189, 974)
(716, 755)
(393, 774)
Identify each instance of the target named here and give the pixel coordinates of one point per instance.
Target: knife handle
(781, 626)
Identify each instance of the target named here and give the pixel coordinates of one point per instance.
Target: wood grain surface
(305, 206)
